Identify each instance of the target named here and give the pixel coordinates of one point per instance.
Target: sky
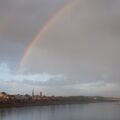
(77, 55)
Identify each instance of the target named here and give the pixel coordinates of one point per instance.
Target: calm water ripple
(95, 111)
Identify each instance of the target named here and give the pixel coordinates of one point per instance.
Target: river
(92, 111)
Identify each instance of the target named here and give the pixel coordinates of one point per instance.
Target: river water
(93, 111)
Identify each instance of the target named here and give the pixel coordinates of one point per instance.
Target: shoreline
(17, 105)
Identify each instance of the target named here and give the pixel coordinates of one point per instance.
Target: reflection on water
(95, 111)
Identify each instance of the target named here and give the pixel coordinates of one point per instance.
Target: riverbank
(29, 104)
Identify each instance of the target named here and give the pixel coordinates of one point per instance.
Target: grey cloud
(83, 45)
(20, 21)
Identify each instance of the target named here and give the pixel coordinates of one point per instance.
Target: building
(3, 96)
(33, 93)
(40, 94)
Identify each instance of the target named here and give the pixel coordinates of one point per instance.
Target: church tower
(33, 92)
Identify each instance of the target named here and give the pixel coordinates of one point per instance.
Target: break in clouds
(13, 81)
(9, 75)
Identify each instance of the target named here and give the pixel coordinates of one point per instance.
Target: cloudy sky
(77, 55)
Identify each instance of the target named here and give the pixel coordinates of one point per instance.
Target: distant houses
(6, 97)
(21, 100)
(3, 96)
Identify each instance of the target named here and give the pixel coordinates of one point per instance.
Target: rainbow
(43, 29)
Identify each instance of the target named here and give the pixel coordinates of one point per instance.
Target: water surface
(94, 111)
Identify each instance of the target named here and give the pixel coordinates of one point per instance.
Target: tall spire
(33, 92)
